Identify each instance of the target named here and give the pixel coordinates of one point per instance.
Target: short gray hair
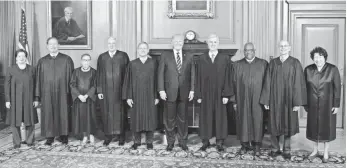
(212, 36)
(68, 8)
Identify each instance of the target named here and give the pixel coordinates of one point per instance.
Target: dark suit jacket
(170, 80)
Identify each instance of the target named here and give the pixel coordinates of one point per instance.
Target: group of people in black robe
(251, 84)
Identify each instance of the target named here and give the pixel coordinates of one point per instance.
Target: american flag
(23, 36)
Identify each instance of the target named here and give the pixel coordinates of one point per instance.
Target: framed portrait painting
(187, 9)
(70, 23)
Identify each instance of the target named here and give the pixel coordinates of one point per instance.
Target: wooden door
(328, 33)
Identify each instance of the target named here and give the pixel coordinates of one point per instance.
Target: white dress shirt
(284, 57)
(54, 54)
(112, 53)
(143, 59)
(250, 61)
(210, 53)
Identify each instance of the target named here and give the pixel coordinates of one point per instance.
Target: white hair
(68, 9)
(111, 38)
(177, 35)
(212, 36)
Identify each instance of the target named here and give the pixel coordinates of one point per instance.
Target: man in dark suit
(176, 76)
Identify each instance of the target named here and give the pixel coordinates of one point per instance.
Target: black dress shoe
(243, 150)
(49, 141)
(184, 147)
(286, 155)
(170, 147)
(60, 138)
(149, 146)
(135, 145)
(65, 140)
(220, 148)
(257, 150)
(31, 144)
(205, 146)
(16, 146)
(121, 142)
(275, 154)
(106, 142)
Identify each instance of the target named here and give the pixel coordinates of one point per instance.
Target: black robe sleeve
(37, 92)
(8, 79)
(337, 87)
(198, 81)
(91, 91)
(192, 75)
(227, 88)
(161, 69)
(233, 82)
(265, 93)
(156, 94)
(70, 68)
(299, 89)
(127, 84)
(99, 74)
(73, 85)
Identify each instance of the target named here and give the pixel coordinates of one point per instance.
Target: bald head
(249, 45)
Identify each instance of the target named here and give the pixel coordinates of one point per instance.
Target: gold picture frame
(80, 23)
(185, 9)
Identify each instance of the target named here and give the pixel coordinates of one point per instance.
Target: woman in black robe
(323, 94)
(83, 95)
(19, 97)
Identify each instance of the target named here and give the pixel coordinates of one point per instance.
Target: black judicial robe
(213, 83)
(323, 93)
(248, 82)
(19, 91)
(83, 115)
(140, 85)
(52, 87)
(284, 87)
(110, 75)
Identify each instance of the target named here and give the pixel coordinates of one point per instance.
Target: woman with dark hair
(19, 97)
(83, 95)
(323, 100)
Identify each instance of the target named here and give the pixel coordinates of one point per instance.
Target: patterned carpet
(75, 155)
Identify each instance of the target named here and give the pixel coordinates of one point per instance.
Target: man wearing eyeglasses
(248, 76)
(284, 91)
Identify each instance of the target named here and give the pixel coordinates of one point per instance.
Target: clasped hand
(83, 98)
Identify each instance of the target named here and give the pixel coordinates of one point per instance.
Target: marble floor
(298, 141)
